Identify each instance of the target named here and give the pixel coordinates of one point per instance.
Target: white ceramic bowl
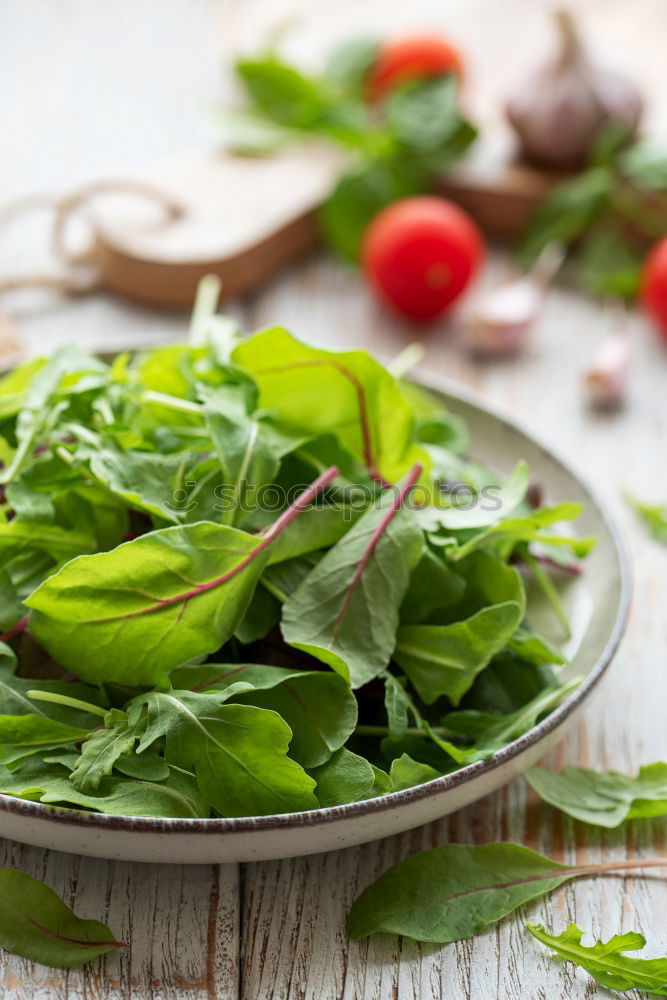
(597, 602)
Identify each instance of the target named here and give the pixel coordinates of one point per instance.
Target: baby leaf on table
(603, 798)
(456, 891)
(36, 924)
(606, 961)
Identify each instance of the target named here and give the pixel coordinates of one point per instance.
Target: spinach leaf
(606, 961)
(345, 777)
(317, 705)
(348, 394)
(406, 772)
(37, 732)
(433, 585)
(603, 798)
(14, 699)
(445, 659)
(456, 891)
(36, 924)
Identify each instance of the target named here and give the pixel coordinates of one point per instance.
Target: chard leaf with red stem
(133, 614)
(346, 611)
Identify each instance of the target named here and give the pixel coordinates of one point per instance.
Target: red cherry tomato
(412, 59)
(654, 285)
(420, 253)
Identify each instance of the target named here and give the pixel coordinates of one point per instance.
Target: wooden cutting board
(245, 218)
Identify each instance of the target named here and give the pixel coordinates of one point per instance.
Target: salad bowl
(597, 603)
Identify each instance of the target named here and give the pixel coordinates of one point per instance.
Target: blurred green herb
(395, 148)
(607, 216)
(654, 517)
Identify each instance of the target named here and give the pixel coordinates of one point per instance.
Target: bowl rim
(441, 385)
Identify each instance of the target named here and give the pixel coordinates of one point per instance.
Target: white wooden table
(91, 88)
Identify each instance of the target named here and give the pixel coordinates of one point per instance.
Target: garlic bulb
(559, 111)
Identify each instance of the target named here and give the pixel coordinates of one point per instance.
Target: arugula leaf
(456, 891)
(530, 528)
(496, 732)
(39, 410)
(606, 961)
(331, 615)
(36, 924)
(238, 752)
(504, 500)
(603, 798)
(135, 613)
(102, 749)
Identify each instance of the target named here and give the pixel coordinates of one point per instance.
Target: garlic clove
(499, 325)
(501, 322)
(606, 381)
(560, 110)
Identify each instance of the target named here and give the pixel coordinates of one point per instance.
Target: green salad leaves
(249, 576)
(391, 148)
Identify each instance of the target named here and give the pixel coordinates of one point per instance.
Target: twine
(80, 276)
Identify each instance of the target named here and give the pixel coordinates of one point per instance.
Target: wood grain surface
(90, 87)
